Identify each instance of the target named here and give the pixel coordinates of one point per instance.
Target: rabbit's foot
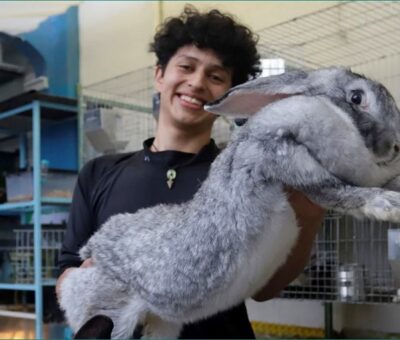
(385, 207)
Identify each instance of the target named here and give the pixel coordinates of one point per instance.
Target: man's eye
(184, 67)
(216, 78)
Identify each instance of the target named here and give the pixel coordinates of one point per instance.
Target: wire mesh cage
(23, 257)
(352, 261)
(361, 35)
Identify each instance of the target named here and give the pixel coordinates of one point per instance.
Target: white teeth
(191, 100)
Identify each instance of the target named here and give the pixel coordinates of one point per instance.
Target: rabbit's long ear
(244, 100)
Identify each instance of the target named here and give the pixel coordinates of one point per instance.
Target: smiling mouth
(191, 100)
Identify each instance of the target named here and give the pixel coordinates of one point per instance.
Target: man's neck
(178, 141)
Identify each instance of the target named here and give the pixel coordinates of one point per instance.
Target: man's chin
(195, 124)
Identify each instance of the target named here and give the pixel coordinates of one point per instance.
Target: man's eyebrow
(217, 66)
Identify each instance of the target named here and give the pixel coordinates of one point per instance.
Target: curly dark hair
(234, 43)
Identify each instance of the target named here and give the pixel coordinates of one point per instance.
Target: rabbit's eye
(356, 97)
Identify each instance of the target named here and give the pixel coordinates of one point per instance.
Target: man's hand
(87, 263)
(307, 213)
(309, 219)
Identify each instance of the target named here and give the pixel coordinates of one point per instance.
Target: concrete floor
(13, 328)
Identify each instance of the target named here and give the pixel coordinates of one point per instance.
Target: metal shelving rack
(35, 109)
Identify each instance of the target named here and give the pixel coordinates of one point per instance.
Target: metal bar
(328, 320)
(23, 147)
(16, 111)
(16, 206)
(80, 126)
(49, 282)
(61, 107)
(56, 200)
(119, 104)
(19, 315)
(16, 286)
(37, 193)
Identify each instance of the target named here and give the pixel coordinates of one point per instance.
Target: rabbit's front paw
(385, 207)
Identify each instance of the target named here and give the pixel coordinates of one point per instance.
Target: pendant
(171, 175)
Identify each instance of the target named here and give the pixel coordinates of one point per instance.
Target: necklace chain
(171, 173)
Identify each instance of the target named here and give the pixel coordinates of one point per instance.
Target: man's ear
(158, 78)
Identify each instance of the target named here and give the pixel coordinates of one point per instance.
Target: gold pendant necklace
(171, 175)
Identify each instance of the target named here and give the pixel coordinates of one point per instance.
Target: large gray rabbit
(329, 133)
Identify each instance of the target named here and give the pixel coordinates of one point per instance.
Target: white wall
(368, 318)
(115, 35)
(377, 318)
(305, 313)
(114, 38)
(255, 14)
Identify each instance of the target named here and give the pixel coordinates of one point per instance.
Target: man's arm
(309, 218)
(87, 263)
(79, 227)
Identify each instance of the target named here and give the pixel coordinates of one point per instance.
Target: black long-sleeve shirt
(114, 184)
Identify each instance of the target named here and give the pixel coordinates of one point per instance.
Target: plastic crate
(19, 187)
(23, 259)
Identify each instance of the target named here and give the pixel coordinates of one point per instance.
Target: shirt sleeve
(81, 222)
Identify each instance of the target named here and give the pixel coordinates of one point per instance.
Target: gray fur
(173, 264)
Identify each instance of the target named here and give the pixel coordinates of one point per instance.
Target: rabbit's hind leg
(128, 318)
(157, 328)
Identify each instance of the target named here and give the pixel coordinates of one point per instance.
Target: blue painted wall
(59, 145)
(57, 39)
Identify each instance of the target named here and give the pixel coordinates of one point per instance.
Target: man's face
(191, 78)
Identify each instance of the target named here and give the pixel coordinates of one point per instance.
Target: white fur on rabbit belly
(257, 267)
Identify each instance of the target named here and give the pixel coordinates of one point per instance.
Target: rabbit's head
(368, 103)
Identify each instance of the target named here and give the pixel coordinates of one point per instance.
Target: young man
(200, 56)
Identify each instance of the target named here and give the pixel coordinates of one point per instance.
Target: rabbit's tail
(130, 319)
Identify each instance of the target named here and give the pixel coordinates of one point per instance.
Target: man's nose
(197, 80)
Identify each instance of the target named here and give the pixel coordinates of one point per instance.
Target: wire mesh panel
(361, 35)
(350, 259)
(350, 263)
(133, 89)
(23, 258)
(350, 33)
